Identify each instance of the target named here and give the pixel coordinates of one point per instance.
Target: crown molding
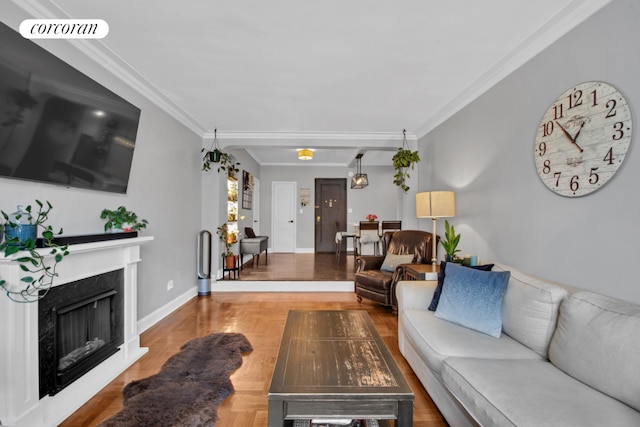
(105, 57)
(569, 17)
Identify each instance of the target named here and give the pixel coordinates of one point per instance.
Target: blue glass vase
(21, 230)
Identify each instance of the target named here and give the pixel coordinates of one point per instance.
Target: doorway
(283, 208)
(330, 212)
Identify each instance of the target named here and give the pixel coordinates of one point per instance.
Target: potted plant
(216, 155)
(450, 242)
(20, 235)
(227, 164)
(402, 161)
(122, 219)
(228, 238)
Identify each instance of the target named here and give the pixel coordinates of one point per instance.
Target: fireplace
(80, 324)
(83, 272)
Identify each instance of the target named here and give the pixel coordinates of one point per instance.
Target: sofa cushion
(473, 298)
(597, 341)
(441, 276)
(391, 261)
(437, 339)
(530, 393)
(374, 279)
(530, 309)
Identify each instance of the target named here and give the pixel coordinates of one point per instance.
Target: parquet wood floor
(260, 317)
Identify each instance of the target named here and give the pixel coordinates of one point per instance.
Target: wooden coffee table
(335, 365)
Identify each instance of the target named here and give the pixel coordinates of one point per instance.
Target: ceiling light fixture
(359, 180)
(305, 154)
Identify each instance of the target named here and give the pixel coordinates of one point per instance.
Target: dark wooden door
(330, 212)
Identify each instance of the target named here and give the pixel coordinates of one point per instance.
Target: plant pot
(22, 232)
(230, 261)
(214, 156)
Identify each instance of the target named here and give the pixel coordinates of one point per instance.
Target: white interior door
(283, 209)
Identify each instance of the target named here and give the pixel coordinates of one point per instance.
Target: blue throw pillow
(473, 298)
(441, 275)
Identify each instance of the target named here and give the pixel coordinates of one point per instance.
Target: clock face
(583, 139)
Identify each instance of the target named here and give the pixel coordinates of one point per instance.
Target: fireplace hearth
(80, 324)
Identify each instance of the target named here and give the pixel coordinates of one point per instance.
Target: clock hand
(570, 137)
(575, 138)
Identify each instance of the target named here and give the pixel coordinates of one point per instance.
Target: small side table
(420, 272)
(235, 269)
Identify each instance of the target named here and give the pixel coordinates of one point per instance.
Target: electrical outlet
(169, 285)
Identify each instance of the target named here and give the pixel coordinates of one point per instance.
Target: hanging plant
(40, 276)
(402, 161)
(216, 155)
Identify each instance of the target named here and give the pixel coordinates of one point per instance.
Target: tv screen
(59, 126)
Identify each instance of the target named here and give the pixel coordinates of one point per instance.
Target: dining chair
(369, 233)
(391, 226)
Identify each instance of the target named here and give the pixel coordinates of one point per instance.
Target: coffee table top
(330, 353)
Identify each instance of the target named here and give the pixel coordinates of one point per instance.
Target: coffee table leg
(276, 413)
(405, 413)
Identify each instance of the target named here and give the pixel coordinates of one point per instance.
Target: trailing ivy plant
(40, 276)
(122, 219)
(216, 155)
(402, 161)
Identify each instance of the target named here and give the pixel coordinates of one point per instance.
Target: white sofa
(565, 357)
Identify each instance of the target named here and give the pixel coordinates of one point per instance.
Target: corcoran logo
(64, 28)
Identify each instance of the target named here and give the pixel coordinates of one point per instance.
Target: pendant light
(359, 180)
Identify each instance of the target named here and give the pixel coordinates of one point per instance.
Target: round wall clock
(583, 139)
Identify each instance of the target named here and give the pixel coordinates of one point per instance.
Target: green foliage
(451, 240)
(40, 276)
(226, 162)
(116, 219)
(402, 161)
(224, 235)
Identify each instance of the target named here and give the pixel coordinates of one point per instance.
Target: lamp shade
(435, 204)
(305, 154)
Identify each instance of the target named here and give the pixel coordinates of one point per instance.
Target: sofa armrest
(414, 294)
(369, 262)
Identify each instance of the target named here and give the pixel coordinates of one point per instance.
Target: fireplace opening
(80, 325)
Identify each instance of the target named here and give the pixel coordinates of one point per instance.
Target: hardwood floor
(260, 317)
(302, 267)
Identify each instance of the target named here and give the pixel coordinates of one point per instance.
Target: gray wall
(380, 197)
(164, 187)
(485, 154)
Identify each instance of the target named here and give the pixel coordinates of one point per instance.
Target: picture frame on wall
(247, 190)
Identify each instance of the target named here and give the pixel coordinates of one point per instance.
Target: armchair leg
(359, 298)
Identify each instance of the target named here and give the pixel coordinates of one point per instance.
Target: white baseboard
(153, 318)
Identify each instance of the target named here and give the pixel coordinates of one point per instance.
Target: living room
(483, 151)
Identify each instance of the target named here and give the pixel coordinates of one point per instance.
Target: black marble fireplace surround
(80, 324)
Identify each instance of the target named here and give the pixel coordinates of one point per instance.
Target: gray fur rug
(188, 388)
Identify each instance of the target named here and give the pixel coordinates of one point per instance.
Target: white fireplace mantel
(20, 404)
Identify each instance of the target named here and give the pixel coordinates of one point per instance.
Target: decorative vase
(449, 258)
(23, 230)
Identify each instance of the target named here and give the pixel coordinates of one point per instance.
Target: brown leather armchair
(380, 285)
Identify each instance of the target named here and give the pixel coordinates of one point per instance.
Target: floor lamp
(434, 205)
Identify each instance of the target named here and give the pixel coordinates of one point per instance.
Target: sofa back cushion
(530, 309)
(597, 342)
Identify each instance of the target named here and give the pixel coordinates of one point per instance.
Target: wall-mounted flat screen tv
(59, 126)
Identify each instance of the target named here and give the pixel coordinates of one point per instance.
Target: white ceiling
(340, 76)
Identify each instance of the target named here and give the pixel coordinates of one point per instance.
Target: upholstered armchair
(377, 275)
